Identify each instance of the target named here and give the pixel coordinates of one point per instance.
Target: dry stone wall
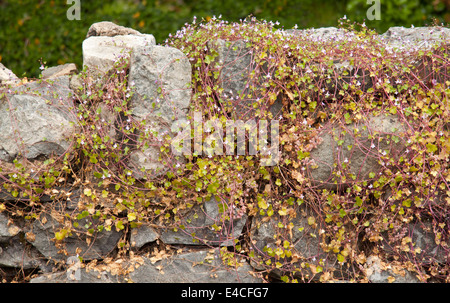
(38, 119)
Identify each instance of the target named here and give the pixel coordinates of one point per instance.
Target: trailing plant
(344, 223)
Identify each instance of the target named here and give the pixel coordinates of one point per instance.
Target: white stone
(101, 52)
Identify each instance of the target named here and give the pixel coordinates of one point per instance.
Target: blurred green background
(31, 30)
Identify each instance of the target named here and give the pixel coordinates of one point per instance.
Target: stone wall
(37, 119)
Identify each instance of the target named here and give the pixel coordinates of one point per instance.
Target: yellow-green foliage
(351, 223)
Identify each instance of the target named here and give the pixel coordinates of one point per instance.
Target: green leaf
(262, 204)
(283, 212)
(87, 192)
(431, 148)
(222, 208)
(212, 188)
(119, 225)
(60, 235)
(131, 217)
(358, 201)
(347, 117)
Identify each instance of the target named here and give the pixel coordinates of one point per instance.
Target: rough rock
(193, 267)
(101, 52)
(15, 253)
(416, 241)
(234, 62)
(161, 79)
(206, 224)
(7, 229)
(60, 70)
(37, 120)
(410, 40)
(163, 69)
(358, 147)
(82, 276)
(110, 29)
(94, 246)
(379, 272)
(143, 235)
(76, 83)
(304, 235)
(401, 38)
(323, 34)
(7, 76)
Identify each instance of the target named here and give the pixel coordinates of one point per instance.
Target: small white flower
(42, 67)
(14, 176)
(129, 173)
(372, 146)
